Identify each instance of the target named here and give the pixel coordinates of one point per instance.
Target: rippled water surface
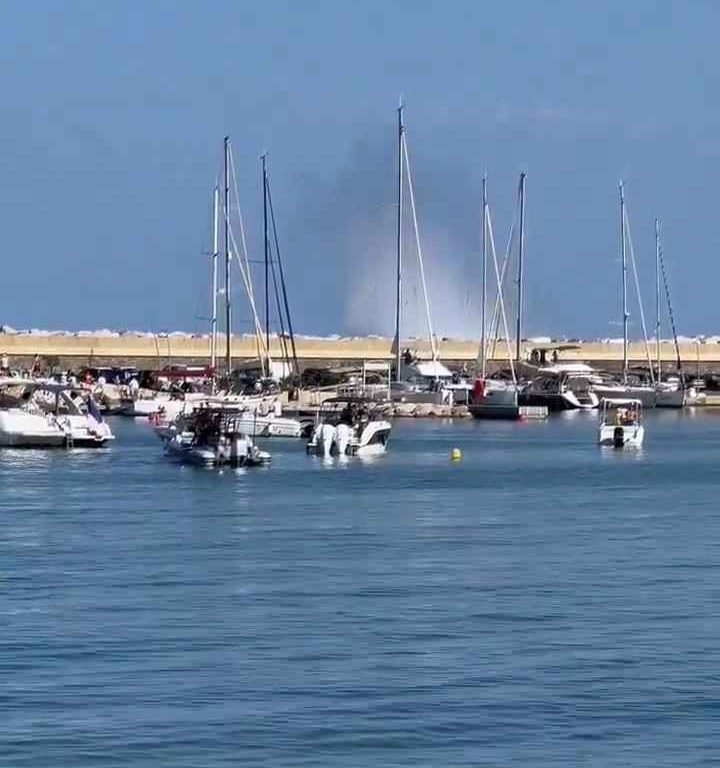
(542, 602)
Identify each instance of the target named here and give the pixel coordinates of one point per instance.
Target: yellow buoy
(455, 454)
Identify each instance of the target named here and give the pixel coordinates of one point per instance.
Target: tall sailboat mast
(215, 255)
(657, 295)
(518, 334)
(267, 257)
(624, 283)
(226, 242)
(398, 278)
(483, 295)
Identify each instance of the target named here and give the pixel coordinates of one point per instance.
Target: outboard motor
(327, 436)
(619, 437)
(343, 433)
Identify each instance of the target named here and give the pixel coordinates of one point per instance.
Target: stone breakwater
(148, 351)
(422, 411)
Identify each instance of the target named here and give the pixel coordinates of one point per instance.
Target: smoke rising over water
(448, 210)
(453, 289)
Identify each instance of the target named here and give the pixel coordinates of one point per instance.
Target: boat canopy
(613, 402)
(429, 369)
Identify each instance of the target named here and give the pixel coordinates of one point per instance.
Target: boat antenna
(624, 283)
(518, 337)
(483, 295)
(398, 278)
(228, 327)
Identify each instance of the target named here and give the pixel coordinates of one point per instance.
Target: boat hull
(646, 395)
(239, 453)
(669, 398)
(556, 402)
(20, 429)
(496, 404)
(616, 436)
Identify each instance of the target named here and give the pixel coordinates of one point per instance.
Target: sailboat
(628, 388)
(419, 381)
(669, 393)
(495, 398)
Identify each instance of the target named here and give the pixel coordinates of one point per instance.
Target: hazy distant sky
(113, 113)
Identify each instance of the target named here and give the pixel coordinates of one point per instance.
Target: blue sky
(113, 116)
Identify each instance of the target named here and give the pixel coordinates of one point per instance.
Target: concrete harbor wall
(158, 351)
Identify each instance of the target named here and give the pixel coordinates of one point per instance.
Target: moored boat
(562, 387)
(348, 428)
(45, 414)
(494, 399)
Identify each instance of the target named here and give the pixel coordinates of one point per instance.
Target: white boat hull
(621, 436)
(669, 398)
(646, 395)
(235, 452)
(21, 429)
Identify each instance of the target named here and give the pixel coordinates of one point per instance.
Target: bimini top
(620, 401)
(430, 369)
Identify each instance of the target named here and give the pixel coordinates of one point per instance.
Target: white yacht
(621, 423)
(563, 387)
(45, 414)
(349, 431)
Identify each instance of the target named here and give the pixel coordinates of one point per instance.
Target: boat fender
(479, 389)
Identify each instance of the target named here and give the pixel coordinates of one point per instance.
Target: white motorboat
(563, 387)
(44, 414)
(349, 431)
(213, 436)
(621, 423)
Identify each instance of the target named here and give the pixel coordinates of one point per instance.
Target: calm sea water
(543, 602)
